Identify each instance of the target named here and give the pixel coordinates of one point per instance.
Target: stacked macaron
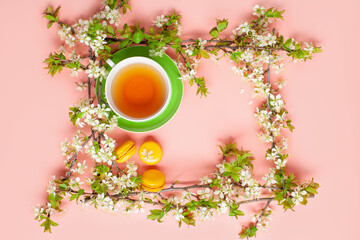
(153, 180)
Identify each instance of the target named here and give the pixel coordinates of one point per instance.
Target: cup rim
(129, 61)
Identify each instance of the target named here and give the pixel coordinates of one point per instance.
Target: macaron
(125, 151)
(153, 180)
(150, 152)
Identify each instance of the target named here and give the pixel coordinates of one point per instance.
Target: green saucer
(176, 89)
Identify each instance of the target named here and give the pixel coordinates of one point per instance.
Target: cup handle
(111, 63)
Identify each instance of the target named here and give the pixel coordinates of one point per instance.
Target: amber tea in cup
(137, 89)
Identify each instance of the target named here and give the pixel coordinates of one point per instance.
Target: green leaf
(161, 215)
(138, 36)
(50, 18)
(222, 24)
(111, 3)
(156, 212)
(229, 149)
(304, 202)
(73, 197)
(287, 43)
(97, 187)
(226, 174)
(289, 125)
(239, 213)
(97, 148)
(214, 33)
(317, 50)
(126, 35)
(166, 39)
(63, 186)
(177, 40)
(102, 168)
(151, 30)
(46, 225)
(52, 223)
(234, 164)
(311, 190)
(50, 24)
(107, 48)
(235, 177)
(110, 29)
(248, 232)
(49, 10)
(271, 13)
(71, 65)
(123, 43)
(56, 11)
(55, 200)
(228, 167)
(126, 6)
(152, 216)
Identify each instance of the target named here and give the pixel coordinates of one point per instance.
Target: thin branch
(262, 186)
(118, 170)
(89, 87)
(161, 196)
(99, 93)
(73, 158)
(268, 97)
(262, 212)
(92, 81)
(184, 188)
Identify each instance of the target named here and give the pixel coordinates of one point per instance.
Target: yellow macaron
(125, 151)
(153, 180)
(150, 152)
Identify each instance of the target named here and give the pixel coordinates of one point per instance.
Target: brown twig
(262, 212)
(74, 157)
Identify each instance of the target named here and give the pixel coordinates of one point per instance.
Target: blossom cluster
(103, 152)
(118, 184)
(111, 15)
(262, 218)
(99, 117)
(90, 32)
(163, 22)
(188, 73)
(298, 195)
(66, 34)
(95, 71)
(161, 27)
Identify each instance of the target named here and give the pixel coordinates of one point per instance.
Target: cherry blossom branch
(269, 199)
(128, 197)
(92, 135)
(229, 44)
(236, 47)
(174, 189)
(268, 96)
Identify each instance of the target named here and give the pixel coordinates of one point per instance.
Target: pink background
(321, 96)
